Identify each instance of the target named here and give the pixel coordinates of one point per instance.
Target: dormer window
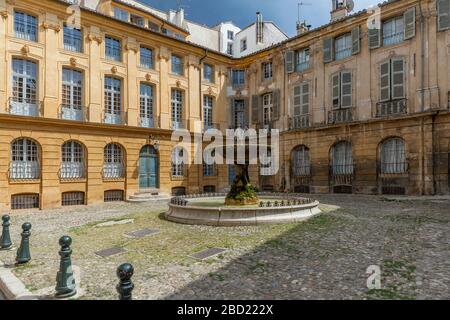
(121, 14)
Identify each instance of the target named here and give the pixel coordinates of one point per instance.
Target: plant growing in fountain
(242, 191)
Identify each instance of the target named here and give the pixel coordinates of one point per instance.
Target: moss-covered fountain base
(242, 192)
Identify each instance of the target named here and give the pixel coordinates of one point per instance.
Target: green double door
(148, 168)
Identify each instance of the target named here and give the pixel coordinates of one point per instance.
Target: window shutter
(296, 100)
(232, 113)
(305, 99)
(385, 81)
(356, 41)
(409, 18)
(374, 38)
(276, 104)
(346, 89)
(398, 78)
(246, 112)
(443, 8)
(290, 64)
(255, 109)
(328, 51)
(336, 90)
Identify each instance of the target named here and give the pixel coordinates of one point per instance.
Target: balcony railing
(113, 171)
(149, 122)
(72, 171)
(209, 126)
(24, 107)
(342, 174)
(24, 170)
(119, 118)
(178, 171)
(391, 108)
(340, 115)
(302, 66)
(75, 113)
(178, 125)
(394, 169)
(300, 122)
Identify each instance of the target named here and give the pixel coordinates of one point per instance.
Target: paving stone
(143, 233)
(208, 253)
(110, 252)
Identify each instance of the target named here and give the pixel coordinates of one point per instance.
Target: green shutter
(398, 78)
(409, 18)
(346, 89)
(304, 103)
(336, 90)
(296, 100)
(290, 61)
(255, 109)
(328, 50)
(374, 38)
(443, 9)
(385, 81)
(356, 41)
(276, 104)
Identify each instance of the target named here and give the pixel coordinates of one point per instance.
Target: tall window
(302, 60)
(146, 105)
(301, 99)
(342, 158)
(178, 162)
(208, 112)
(267, 108)
(177, 109)
(121, 14)
(72, 39)
(301, 165)
(392, 80)
(230, 49)
(208, 73)
(146, 56)
(113, 49)
(24, 159)
(230, 35)
(343, 46)
(243, 45)
(24, 88)
(113, 166)
(393, 156)
(267, 70)
(72, 165)
(238, 78)
(25, 26)
(72, 95)
(342, 90)
(113, 101)
(393, 31)
(239, 114)
(209, 168)
(177, 65)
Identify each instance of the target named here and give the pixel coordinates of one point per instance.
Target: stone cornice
(55, 27)
(93, 37)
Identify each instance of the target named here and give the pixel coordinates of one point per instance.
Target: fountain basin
(192, 210)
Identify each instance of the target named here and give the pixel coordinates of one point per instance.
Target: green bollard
(23, 253)
(65, 282)
(125, 286)
(6, 243)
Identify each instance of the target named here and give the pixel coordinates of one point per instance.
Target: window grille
(24, 201)
(114, 196)
(73, 161)
(24, 160)
(301, 165)
(393, 156)
(113, 167)
(72, 199)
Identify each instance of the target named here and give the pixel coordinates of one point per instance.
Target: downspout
(422, 58)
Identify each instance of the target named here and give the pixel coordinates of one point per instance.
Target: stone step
(148, 196)
(154, 199)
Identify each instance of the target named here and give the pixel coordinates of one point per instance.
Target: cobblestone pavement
(324, 258)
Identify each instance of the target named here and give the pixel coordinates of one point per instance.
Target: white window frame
(27, 27)
(343, 46)
(302, 60)
(178, 162)
(267, 101)
(146, 92)
(24, 159)
(24, 99)
(177, 66)
(208, 105)
(243, 44)
(396, 29)
(72, 95)
(177, 108)
(146, 57)
(208, 73)
(113, 166)
(113, 49)
(73, 39)
(72, 160)
(267, 69)
(113, 100)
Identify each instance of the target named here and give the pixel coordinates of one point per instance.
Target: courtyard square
(323, 258)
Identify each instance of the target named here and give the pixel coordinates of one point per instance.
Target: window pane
(113, 49)
(146, 58)
(25, 26)
(72, 39)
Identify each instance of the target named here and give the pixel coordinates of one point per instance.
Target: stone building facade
(86, 115)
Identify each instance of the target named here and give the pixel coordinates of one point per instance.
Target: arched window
(301, 165)
(73, 160)
(24, 159)
(393, 156)
(24, 100)
(113, 167)
(178, 162)
(342, 158)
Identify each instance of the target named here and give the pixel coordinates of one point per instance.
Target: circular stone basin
(211, 210)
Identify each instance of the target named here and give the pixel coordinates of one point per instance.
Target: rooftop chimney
(340, 8)
(259, 28)
(302, 27)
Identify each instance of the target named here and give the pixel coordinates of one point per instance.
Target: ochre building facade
(87, 112)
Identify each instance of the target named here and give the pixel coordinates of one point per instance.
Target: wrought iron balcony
(342, 174)
(25, 107)
(72, 171)
(119, 118)
(113, 171)
(24, 170)
(391, 108)
(75, 113)
(394, 169)
(300, 122)
(340, 115)
(148, 122)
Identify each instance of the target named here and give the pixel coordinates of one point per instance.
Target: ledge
(11, 287)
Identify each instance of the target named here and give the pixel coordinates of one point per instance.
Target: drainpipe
(422, 58)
